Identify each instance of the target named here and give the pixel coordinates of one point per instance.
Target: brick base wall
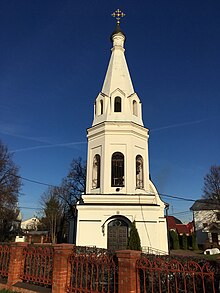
(127, 282)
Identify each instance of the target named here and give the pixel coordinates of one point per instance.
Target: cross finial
(118, 14)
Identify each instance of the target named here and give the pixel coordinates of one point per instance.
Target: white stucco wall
(150, 220)
(127, 138)
(30, 224)
(203, 217)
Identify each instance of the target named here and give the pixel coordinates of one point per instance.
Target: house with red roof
(174, 224)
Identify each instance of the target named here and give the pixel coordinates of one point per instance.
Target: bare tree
(73, 185)
(59, 203)
(52, 212)
(10, 184)
(212, 184)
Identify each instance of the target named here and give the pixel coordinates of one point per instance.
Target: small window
(96, 172)
(117, 106)
(205, 225)
(101, 107)
(135, 112)
(139, 172)
(118, 169)
(214, 238)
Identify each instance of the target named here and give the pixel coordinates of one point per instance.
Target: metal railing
(92, 270)
(168, 275)
(37, 265)
(89, 269)
(4, 259)
(151, 250)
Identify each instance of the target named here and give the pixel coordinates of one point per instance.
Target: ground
(195, 253)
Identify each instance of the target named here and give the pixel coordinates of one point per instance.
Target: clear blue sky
(53, 59)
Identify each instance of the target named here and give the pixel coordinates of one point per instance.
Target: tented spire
(117, 75)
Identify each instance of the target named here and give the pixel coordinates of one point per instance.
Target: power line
(28, 208)
(35, 181)
(179, 213)
(177, 197)
(201, 201)
(145, 226)
(162, 194)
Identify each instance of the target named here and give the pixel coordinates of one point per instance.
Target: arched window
(95, 108)
(139, 172)
(135, 110)
(101, 107)
(96, 172)
(118, 169)
(117, 105)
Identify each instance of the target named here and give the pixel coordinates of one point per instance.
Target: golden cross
(118, 14)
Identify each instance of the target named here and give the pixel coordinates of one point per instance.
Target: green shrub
(194, 242)
(134, 242)
(184, 242)
(174, 240)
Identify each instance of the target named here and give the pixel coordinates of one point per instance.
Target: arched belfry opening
(101, 107)
(117, 104)
(118, 232)
(139, 172)
(135, 108)
(117, 169)
(96, 172)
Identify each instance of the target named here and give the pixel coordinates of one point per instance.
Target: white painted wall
(97, 210)
(30, 224)
(127, 138)
(204, 217)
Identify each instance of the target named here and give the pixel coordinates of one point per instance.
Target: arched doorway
(117, 236)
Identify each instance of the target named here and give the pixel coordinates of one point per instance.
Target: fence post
(16, 258)
(60, 267)
(127, 276)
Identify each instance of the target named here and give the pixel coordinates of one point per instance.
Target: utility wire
(28, 208)
(162, 194)
(177, 197)
(201, 201)
(183, 212)
(35, 181)
(145, 226)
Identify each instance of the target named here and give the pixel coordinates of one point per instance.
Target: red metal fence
(4, 259)
(37, 265)
(172, 276)
(92, 270)
(67, 268)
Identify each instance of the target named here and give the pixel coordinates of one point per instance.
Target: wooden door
(117, 237)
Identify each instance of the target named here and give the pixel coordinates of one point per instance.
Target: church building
(118, 186)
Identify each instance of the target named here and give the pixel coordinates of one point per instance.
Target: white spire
(117, 75)
(117, 100)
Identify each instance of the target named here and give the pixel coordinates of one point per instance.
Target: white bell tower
(118, 187)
